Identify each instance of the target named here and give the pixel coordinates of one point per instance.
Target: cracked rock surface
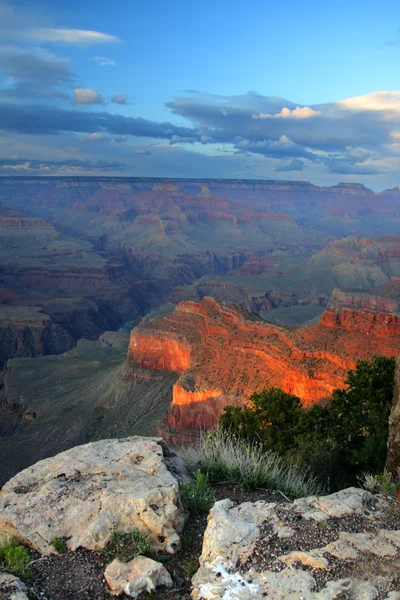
(342, 546)
(12, 588)
(86, 492)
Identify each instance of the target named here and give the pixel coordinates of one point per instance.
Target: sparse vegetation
(126, 546)
(15, 559)
(380, 484)
(224, 458)
(59, 545)
(190, 567)
(197, 496)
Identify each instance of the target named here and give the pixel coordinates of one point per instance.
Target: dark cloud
(295, 165)
(284, 147)
(42, 165)
(39, 119)
(35, 74)
(142, 153)
(343, 167)
(34, 65)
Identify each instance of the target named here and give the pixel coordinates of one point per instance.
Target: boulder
(393, 458)
(315, 548)
(12, 588)
(86, 492)
(138, 575)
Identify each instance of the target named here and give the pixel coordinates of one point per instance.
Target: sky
(223, 88)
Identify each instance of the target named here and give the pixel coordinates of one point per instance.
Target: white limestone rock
(86, 492)
(135, 577)
(234, 532)
(12, 588)
(346, 502)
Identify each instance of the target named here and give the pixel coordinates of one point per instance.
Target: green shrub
(337, 442)
(126, 546)
(271, 419)
(59, 545)
(197, 496)
(15, 559)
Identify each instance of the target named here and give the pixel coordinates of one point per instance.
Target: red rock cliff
(223, 355)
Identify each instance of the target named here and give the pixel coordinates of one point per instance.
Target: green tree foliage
(272, 418)
(339, 441)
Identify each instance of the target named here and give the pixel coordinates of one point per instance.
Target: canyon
(222, 354)
(228, 286)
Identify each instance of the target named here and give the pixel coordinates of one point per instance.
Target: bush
(197, 496)
(126, 546)
(271, 418)
(59, 545)
(15, 559)
(337, 442)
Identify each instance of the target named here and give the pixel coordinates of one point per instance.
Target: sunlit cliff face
(222, 356)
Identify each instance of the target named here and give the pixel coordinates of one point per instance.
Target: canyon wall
(224, 354)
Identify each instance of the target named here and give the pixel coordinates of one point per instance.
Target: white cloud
(79, 37)
(377, 101)
(120, 99)
(303, 112)
(103, 61)
(87, 96)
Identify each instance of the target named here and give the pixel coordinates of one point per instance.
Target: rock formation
(136, 576)
(86, 492)
(222, 354)
(319, 548)
(393, 459)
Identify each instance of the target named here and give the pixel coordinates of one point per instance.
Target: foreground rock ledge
(86, 492)
(317, 548)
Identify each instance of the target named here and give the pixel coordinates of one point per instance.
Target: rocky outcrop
(393, 458)
(136, 576)
(319, 548)
(30, 332)
(377, 324)
(224, 354)
(86, 492)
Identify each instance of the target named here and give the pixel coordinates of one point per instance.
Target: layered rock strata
(222, 355)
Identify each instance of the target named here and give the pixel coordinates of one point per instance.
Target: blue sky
(296, 90)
